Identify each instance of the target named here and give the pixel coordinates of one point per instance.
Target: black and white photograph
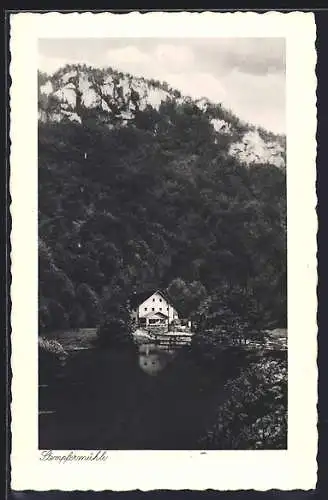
(164, 251)
(162, 244)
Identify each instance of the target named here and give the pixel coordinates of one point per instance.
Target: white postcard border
(295, 468)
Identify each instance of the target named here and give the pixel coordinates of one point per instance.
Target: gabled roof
(138, 298)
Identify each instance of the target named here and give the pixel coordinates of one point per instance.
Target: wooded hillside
(160, 199)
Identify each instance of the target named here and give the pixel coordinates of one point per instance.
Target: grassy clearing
(73, 340)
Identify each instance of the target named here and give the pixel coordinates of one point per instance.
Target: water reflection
(153, 358)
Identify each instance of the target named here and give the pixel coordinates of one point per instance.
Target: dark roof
(165, 296)
(138, 298)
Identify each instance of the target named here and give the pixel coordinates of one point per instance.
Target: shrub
(116, 329)
(255, 414)
(113, 332)
(52, 357)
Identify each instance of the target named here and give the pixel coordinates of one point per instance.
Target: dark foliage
(52, 358)
(156, 203)
(254, 416)
(115, 328)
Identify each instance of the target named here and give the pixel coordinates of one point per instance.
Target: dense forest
(158, 202)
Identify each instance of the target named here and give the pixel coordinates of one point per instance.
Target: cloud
(127, 57)
(246, 75)
(197, 85)
(173, 57)
(250, 55)
(156, 62)
(257, 99)
(51, 64)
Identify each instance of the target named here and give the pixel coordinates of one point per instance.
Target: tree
(156, 203)
(78, 317)
(222, 313)
(115, 330)
(186, 296)
(90, 304)
(53, 316)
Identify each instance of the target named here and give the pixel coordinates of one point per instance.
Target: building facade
(155, 310)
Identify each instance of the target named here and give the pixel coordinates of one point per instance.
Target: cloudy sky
(246, 74)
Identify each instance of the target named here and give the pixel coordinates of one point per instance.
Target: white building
(154, 310)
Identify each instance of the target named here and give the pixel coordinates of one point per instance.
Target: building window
(145, 308)
(153, 308)
(160, 308)
(160, 300)
(167, 308)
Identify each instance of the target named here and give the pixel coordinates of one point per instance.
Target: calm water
(165, 398)
(153, 359)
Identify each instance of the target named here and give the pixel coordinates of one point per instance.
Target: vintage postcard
(163, 259)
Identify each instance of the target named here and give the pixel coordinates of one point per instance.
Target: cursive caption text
(93, 456)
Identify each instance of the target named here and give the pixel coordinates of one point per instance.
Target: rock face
(254, 149)
(79, 93)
